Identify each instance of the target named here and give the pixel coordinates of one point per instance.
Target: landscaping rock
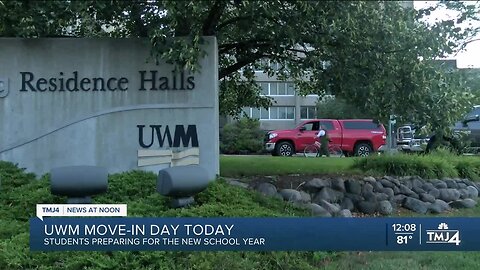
(435, 208)
(385, 208)
(377, 186)
(381, 197)
(434, 192)
(427, 198)
(408, 183)
(267, 189)
(427, 186)
(418, 190)
(463, 193)
(438, 183)
(353, 186)
(347, 203)
(468, 182)
(306, 198)
(331, 208)
(387, 183)
(316, 184)
(462, 185)
(354, 197)
(338, 184)
(449, 194)
(395, 181)
(328, 195)
(443, 205)
(369, 179)
(291, 195)
(399, 199)
(388, 191)
(415, 205)
(467, 203)
(367, 188)
(417, 183)
(472, 192)
(367, 207)
(405, 190)
(344, 213)
(370, 196)
(396, 190)
(317, 210)
(450, 183)
(414, 195)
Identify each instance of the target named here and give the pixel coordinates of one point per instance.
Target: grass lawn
(238, 166)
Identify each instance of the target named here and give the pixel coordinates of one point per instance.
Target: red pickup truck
(359, 137)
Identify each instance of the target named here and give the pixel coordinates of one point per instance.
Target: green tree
(373, 54)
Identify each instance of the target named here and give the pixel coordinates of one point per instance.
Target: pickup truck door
(334, 131)
(307, 135)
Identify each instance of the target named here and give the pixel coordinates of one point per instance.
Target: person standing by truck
(322, 137)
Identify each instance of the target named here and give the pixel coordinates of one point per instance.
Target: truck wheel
(284, 149)
(363, 150)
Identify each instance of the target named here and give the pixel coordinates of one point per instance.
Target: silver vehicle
(409, 140)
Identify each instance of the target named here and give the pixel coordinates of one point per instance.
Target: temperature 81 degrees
(404, 232)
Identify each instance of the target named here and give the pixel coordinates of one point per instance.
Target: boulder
(388, 191)
(415, 205)
(347, 203)
(344, 213)
(317, 210)
(306, 198)
(442, 204)
(331, 208)
(399, 198)
(329, 195)
(450, 183)
(367, 207)
(427, 198)
(316, 184)
(405, 190)
(377, 186)
(267, 189)
(427, 186)
(381, 197)
(387, 183)
(353, 186)
(418, 190)
(463, 193)
(369, 179)
(466, 203)
(449, 194)
(417, 183)
(438, 183)
(434, 192)
(472, 192)
(354, 197)
(385, 208)
(338, 184)
(291, 195)
(367, 188)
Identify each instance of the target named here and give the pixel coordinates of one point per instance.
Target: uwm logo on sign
(177, 146)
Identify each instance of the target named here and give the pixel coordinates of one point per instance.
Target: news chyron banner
(107, 228)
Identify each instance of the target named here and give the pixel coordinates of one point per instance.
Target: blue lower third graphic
(255, 234)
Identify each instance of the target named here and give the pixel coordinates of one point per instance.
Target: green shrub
(404, 165)
(137, 189)
(243, 136)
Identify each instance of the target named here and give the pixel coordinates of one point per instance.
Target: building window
(309, 112)
(277, 88)
(273, 113)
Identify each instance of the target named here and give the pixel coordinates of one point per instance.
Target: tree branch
(222, 73)
(211, 22)
(222, 48)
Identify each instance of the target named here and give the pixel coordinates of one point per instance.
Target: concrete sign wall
(100, 102)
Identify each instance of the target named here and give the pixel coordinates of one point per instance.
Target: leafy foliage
(374, 54)
(244, 135)
(338, 108)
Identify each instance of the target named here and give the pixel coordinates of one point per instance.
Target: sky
(470, 57)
